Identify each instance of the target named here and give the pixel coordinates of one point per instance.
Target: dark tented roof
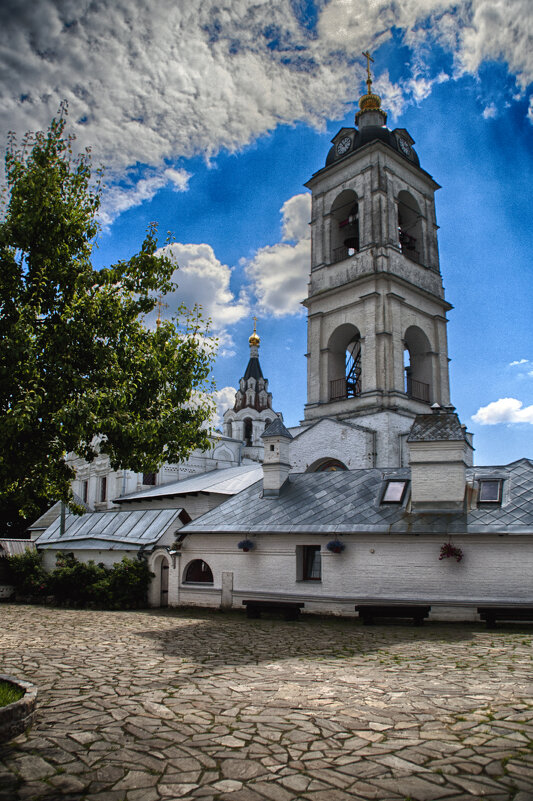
(253, 369)
(276, 429)
(350, 501)
(436, 427)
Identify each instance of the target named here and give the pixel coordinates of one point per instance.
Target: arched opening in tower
(344, 368)
(248, 435)
(410, 227)
(344, 226)
(417, 364)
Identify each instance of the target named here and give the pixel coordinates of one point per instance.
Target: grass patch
(9, 693)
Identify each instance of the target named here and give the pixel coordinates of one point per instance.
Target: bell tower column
(377, 349)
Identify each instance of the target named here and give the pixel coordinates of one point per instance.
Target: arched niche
(326, 465)
(159, 565)
(417, 364)
(197, 572)
(344, 362)
(248, 431)
(410, 227)
(344, 226)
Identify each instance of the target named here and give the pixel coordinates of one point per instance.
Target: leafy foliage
(79, 370)
(27, 575)
(122, 586)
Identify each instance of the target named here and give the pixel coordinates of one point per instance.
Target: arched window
(344, 368)
(344, 226)
(198, 571)
(248, 429)
(326, 466)
(410, 227)
(417, 363)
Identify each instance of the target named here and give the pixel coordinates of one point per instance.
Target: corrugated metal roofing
(350, 501)
(15, 547)
(110, 529)
(229, 481)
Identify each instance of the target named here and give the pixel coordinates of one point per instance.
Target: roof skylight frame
(390, 493)
(490, 482)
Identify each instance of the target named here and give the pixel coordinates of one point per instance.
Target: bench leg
(292, 614)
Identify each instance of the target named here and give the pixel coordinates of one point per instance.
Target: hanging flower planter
(246, 545)
(336, 546)
(449, 551)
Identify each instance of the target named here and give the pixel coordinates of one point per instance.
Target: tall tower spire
(252, 410)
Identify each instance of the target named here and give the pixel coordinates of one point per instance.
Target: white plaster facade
(494, 569)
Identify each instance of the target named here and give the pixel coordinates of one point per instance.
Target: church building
(374, 497)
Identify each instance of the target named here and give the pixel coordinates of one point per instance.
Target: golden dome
(254, 339)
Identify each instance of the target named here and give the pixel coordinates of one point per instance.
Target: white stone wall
(109, 558)
(329, 439)
(385, 567)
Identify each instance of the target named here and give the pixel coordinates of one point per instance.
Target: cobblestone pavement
(142, 706)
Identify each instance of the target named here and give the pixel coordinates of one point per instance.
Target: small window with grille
(149, 479)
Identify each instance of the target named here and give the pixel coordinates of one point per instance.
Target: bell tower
(377, 345)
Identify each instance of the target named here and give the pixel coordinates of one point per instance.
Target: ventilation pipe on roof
(276, 464)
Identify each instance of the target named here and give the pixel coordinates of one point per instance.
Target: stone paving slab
(198, 704)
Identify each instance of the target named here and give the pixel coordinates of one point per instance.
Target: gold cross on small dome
(254, 339)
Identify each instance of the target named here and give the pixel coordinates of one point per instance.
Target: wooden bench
(290, 610)
(370, 611)
(491, 614)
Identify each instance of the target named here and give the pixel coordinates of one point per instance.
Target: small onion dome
(254, 339)
(370, 102)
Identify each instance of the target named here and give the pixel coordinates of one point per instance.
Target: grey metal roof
(15, 547)
(228, 481)
(350, 501)
(48, 517)
(276, 429)
(436, 427)
(110, 530)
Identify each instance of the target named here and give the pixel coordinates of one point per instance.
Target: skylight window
(394, 491)
(490, 490)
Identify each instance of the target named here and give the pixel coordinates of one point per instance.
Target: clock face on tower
(404, 146)
(343, 146)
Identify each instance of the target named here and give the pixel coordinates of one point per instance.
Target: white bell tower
(377, 346)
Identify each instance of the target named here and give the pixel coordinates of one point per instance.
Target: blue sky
(209, 121)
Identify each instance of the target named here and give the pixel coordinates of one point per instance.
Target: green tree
(79, 371)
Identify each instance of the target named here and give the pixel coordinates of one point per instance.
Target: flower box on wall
(246, 545)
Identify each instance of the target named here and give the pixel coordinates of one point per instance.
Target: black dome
(371, 133)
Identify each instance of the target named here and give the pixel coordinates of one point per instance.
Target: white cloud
(519, 361)
(504, 410)
(202, 280)
(296, 212)
(152, 81)
(120, 198)
(490, 112)
(278, 274)
(224, 399)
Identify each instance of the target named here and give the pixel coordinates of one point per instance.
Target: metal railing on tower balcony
(417, 390)
(342, 388)
(343, 252)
